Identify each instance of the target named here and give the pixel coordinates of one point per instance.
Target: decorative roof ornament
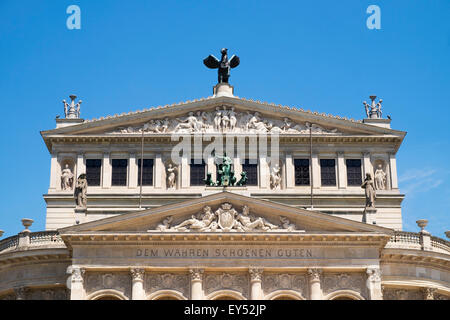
(373, 111)
(72, 110)
(224, 65)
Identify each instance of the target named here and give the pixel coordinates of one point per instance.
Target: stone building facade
(300, 228)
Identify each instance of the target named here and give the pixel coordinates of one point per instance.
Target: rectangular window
(252, 173)
(327, 172)
(119, 172)
(147, 172)
(301, 172)
(93, 171)
(354, 176)
(197, 174)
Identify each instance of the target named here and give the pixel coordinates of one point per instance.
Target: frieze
(167, 281)
(402, 294)
(225, 219)
(224, 120)
(233, 281)
(120, 281)
(285, 281)
(342, 281)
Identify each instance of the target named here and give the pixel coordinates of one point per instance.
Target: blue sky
(318, 55)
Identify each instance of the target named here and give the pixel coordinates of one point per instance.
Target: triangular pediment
(225, 212)
(242, 116)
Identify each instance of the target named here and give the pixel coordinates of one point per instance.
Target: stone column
(137, 278)
(256, 283)
(263, 172)
(367, 165)
(374, 283)
(315, 167)
(132, 171)
(184, 172)
(196, 284)
(290, 171)
(77, 291)
(342, 171)
(393, 171)
(237, 167)
(107, 171)
(81, 168)
(54, 166)
(315, 289)
(158, 172)
(428, 293)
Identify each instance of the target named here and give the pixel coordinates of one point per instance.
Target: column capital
(21, 293)
(255, 274)
(428, 293)
(314, 274)
(137, 274)
(196, 274)
(373, 274)
(78, 274)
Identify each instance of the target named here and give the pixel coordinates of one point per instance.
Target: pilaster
(81, 167)
(158, 172)
(315, 288)
(133, 171)
(196, 283)
(54, 166)
(263, 172)
(77, 291)
(367, 165)
(107, 171)
(256, 283)
(184, 172)
(342, 171)
(137, 280)
(393, 171)
(290, 171)
(374, 283)
(315, 170)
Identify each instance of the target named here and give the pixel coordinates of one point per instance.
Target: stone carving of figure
(66, 178)
(165, 225)
(380, 178)
(171, 177)
(275, 177)
(233, 119)
(203, 224)
(290, 127)
(246, 223)
(218, 119)
(190, 123)
(225, 119)
(287, 225)
(80, 191)
(368, 185)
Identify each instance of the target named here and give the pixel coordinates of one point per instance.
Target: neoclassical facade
(138, 209)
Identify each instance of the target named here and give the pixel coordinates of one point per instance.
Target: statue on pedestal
(171, 177)
(80, 192)
(369, 187)
(380, 178)
(66, 178)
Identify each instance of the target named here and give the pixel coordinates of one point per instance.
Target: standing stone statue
(171, 177)
(275, 177)
(80, 192)
(380, 178)
(368, 185)
(66, 178)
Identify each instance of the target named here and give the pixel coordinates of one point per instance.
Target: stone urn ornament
(422, 223)
(27, 223)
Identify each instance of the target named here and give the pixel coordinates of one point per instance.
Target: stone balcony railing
(31, 240)
(418, 241)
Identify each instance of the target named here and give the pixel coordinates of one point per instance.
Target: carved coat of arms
(226, 215)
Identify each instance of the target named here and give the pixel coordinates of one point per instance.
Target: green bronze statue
(225, 177)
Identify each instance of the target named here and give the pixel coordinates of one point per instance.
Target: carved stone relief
(275, 177)
(225, 120)
(344, 281)
(232, 281)
(226, 219)
(380, 176)
(402, 294)
(286, 281)
(167, 281)
(120, 281)
(67, 178)
(49, 294)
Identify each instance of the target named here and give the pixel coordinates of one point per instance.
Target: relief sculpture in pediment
(225, 120)
(225, 219)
